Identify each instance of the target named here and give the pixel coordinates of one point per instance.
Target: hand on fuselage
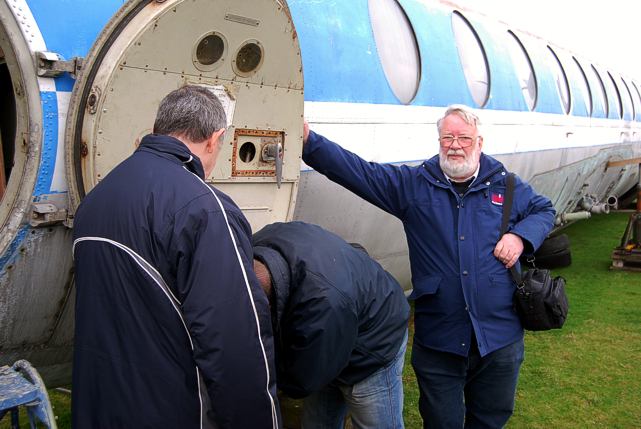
(305, 131)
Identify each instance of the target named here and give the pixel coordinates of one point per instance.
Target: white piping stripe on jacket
(251, 297)
(157, 278)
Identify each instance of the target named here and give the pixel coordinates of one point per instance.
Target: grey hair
(192, 112)
(465, 113)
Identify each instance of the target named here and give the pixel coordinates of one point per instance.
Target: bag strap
(507, 204)
(507, 210)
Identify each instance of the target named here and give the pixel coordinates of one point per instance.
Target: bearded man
(468, 341)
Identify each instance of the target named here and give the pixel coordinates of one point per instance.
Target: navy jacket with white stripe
(172, 326)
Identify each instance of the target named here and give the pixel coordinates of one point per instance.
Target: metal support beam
(612, 164)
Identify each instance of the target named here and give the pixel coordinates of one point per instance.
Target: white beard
(462, 168)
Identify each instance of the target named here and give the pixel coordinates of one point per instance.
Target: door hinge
(50, 64)
(46, 214)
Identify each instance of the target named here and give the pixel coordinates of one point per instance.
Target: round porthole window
(247, 152)
(210, 51)
(249, 57)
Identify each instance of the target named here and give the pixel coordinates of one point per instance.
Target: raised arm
(384, 185)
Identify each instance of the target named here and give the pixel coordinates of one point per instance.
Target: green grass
(586, 375)
(589, 373)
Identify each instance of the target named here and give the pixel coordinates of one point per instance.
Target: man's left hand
(508, 249)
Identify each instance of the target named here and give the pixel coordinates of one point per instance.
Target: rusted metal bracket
(50, 64)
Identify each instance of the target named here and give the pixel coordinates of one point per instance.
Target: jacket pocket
(497, 298)
(427, 285)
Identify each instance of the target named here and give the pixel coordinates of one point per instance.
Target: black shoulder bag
(539, 300)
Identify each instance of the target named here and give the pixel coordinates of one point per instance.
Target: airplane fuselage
(80, 82)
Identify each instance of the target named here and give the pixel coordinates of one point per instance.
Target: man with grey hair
(172, 326)
(468, 341)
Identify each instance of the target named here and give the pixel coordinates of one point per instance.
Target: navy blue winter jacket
(459, 285)
(339, 315)
(172, 327)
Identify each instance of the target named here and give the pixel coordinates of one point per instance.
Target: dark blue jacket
(339, 315)
(172, 327)
(459, 286)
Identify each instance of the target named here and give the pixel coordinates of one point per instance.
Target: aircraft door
(246, 52)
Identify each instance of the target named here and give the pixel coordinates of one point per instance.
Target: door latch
(274, 152)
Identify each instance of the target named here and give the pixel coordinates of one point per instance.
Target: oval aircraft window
(627, 98)
(473, 59)
(397, 48)
(561, 81)
(247, 152)
(604, 97)
(524, 70)
(210, 51)
(635, 93)
(613, 86)
(585, 88)
(249, 58)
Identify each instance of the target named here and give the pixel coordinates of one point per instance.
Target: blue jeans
(488, 385)
(374, 403)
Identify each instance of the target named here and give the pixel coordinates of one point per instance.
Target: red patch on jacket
(497, 199)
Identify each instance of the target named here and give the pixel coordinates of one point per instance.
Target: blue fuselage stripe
(49, 144)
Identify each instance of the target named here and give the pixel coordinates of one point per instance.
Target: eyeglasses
(464, 141)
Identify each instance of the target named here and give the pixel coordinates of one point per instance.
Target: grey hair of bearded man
(191, 112)
(465, 113)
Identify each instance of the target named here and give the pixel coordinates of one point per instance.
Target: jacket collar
(488, 167)
(279, 273)
(172, 149)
